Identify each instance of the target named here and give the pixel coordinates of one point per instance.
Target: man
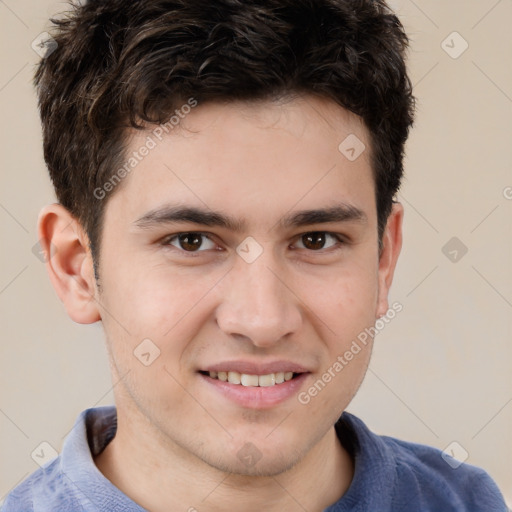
(225, 173)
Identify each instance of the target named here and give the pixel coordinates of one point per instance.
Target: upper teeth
(252, 380)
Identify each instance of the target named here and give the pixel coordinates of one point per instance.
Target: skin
(177, 440)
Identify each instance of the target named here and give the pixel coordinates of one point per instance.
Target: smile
(249, 380)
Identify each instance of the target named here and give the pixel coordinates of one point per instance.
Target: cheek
(345, 310)
(344, 298)
(152, 299)
(149, 319)
(166, 306)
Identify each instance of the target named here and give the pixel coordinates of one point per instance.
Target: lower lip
(256, 397)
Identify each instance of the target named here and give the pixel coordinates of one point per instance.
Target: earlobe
(69, 262)
(391, 246)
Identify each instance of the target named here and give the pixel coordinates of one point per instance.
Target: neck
(166, 477)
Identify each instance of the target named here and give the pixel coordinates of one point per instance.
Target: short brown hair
(121, 65)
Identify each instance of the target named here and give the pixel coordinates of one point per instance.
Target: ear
(391, 245)
(69, 262)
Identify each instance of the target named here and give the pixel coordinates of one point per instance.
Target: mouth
(254, 384)
(252, 380)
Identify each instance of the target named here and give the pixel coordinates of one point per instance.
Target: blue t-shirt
(390, 475)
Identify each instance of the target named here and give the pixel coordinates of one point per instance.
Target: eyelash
(166, 242)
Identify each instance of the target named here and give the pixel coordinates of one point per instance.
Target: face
(245, 242)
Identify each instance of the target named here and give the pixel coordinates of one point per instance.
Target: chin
(250, 461)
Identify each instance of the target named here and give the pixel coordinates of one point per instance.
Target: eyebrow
(179, 214)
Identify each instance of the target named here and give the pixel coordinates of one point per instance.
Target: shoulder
(68, 481)
(43, 490)
(440, 481)
(414, 476)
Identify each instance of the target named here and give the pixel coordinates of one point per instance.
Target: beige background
(441, 371)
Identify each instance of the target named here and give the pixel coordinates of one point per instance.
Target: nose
(258, 304)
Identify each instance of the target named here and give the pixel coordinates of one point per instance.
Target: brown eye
(316, 240)
(190, 242)
(313, 241)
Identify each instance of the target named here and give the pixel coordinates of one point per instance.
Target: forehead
(255, 159)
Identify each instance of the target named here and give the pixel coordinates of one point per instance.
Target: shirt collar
(375, 475)
(93, 430)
